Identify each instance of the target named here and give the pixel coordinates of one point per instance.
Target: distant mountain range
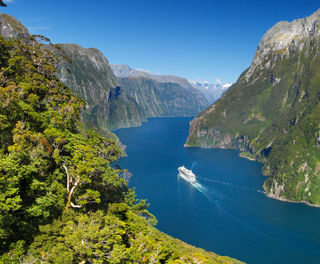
(160, 95)
(212, 91)
(122, 70)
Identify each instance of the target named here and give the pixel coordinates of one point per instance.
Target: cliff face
(163, 98)
(273, 111)
(11, 28)
(160, 95)
(90, 76)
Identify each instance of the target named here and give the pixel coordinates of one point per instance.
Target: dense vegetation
(60, 201)
(274, 115)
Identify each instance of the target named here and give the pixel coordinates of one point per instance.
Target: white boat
(186, 174)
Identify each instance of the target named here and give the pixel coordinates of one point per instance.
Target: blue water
(225, 211)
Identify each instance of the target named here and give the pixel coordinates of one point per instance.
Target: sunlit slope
(273, 112)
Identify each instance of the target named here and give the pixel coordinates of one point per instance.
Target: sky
(196, 39)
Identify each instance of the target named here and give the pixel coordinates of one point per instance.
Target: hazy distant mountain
(212, 91)
(160, 95)
(125, 71)
(163, 98)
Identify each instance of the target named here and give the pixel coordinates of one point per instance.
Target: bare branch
(75, 205)
(68, 177)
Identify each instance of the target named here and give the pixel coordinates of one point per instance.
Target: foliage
(60, 200)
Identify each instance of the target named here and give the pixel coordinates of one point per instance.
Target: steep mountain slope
(90, 76)
(273, 112)
(163, 98)
(11, 28)
(212, 92)
(160, 95)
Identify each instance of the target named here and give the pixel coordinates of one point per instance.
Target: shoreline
(246, 157)
(270, 196)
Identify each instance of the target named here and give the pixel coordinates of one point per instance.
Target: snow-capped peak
(227, 85)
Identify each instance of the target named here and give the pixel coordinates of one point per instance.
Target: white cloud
(227, 85)
(218, 81)
(8, 1)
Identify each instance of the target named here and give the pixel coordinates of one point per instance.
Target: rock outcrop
(90, 76)
(11, 28)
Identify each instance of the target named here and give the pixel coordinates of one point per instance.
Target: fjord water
(225, 211)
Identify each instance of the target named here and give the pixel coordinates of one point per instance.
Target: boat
(186, 174)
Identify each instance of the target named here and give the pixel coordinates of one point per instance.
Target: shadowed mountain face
(88, 74)
(163, 98)
(91, 77)
(160, 95)
(110, 105)
(273, 111)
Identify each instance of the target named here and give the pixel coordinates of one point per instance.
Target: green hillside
(60, 201)
(273, 112)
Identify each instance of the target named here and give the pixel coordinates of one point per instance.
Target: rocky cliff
(11, 28)
(87, 73)
(90, 76)
(160, 95)
(163, 98)
(273, 111)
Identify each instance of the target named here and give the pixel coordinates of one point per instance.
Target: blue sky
(196, 39)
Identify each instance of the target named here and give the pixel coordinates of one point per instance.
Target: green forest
(60, 200)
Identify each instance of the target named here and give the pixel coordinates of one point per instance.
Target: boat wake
(231, 185)
(215, 197)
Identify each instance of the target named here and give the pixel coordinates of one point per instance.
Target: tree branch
(68, 177)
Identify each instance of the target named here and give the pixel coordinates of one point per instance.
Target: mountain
(272, 113)
(160, 95)
(11, 28)
(87, 73)
(125, 71)
(90, 76)
(211, 91)
(163, 98)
